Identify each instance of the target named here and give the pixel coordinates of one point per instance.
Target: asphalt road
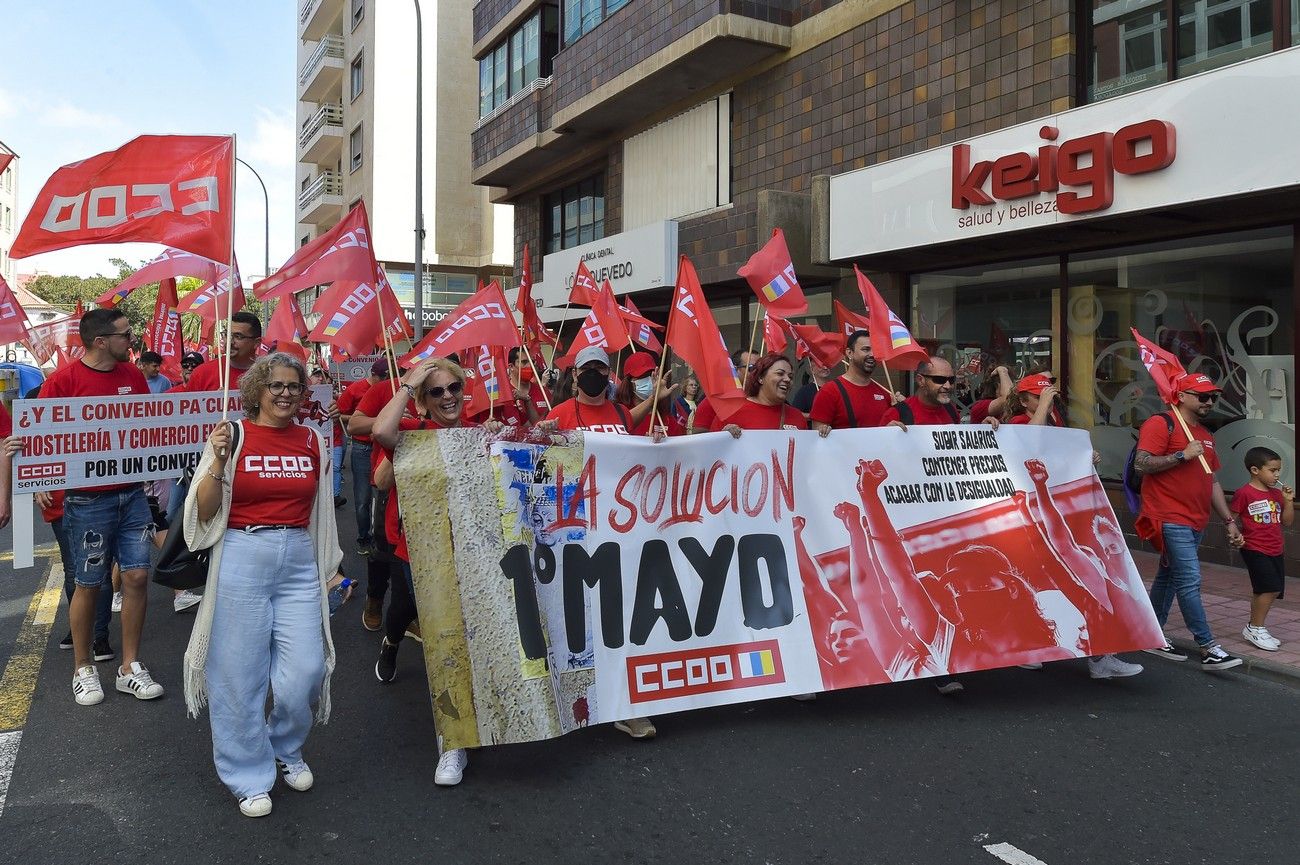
(1173, 766)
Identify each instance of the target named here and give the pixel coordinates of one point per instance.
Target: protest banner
(614, 577)
(70, 443)
(353, 368)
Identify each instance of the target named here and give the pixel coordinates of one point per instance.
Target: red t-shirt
(754, 415)
(392, 514)
(350, 399)
(979, 410)
(1053, 419)
(869, 402)
(1180, 495)
(6, 422)
(705, 415)
(922, 414)
(55, 510)
(276, 476)
(669, 421)
(374, 400)
(572, 415)
(207, 376)
(1261, 518)
(78, 380)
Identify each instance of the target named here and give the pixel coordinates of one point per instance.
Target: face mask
(643, 387)
(526, 374)
(593, 382)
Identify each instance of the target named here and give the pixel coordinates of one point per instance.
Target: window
(304, 240)
(358, 12)
(358, 76)
(523, 56)
(1128, 51)
(355, 145)
(574, 215)
(582, 16)
(1214, 33)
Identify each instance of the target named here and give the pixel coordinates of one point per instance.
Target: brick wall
(518, 122)
(488, 12)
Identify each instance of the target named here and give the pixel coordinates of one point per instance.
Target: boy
(1264, 505)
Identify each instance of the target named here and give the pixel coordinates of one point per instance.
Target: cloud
(8, 105)
(65, 115)
(274, 140)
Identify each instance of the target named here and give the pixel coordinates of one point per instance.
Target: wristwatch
(1180, 456)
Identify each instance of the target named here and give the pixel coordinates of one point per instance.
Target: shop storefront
(1174, 210)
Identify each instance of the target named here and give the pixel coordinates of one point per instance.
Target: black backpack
(1133, 478)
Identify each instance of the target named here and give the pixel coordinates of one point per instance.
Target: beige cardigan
(324, 534)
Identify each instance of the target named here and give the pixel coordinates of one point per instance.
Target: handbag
(179, 567)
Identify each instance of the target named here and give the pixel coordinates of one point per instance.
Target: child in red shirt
(1264, 505)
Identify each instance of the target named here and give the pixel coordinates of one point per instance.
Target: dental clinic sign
(1215, 135)
(636, 260)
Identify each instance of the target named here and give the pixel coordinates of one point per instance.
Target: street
(1173, 766)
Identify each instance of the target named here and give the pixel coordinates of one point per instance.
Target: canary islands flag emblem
(336, 324)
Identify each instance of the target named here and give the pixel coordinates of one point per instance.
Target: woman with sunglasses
(437, 387)
(262, 500)
(767, 387)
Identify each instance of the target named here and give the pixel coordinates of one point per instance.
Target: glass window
(612, 6)
(572, 20)
(532, 33)
(574, 215)
(1128, 50)
(1295, 22)
(355, 142)
(1223, 304)
(358, 77)
(499, 90)
(358, 12)
(516, 61)
(1213, 33)
(485, 86)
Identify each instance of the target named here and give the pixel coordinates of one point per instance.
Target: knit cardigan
(211, 533)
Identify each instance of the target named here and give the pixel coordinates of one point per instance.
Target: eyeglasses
(1205, 398)
(941, 379)
(126, 333)
(438, 390)
(292, 388)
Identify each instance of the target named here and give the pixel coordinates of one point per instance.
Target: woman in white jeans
(262, 499)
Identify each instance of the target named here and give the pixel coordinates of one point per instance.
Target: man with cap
(190, 361)
(359, 461)
(853, 400)
(1034, 402)
(1177, 496)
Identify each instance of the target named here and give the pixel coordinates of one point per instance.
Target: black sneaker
(386, 666)
(1167, 651)
(1214, 658)
(340, 501)
(365, 548)
(66, 642)
(102, 651)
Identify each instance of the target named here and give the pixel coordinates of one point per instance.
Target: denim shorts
(104, 528)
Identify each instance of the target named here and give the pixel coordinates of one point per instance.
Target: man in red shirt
(359, 461)
(245, 337)
(109, 523)
(853, 400)
(1177, 494)
(705, 414)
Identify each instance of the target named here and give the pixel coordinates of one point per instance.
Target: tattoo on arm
(1148, 463)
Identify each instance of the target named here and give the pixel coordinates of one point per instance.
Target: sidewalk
(1225, 591)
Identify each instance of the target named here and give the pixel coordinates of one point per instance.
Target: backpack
(1133, 478)
(906, 416)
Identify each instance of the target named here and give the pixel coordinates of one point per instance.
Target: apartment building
(9, 219)
(356, 141)
(1025, 180)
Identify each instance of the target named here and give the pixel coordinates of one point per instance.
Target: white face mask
(643, 387)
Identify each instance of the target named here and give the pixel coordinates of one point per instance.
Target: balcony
(649, 60)
(322, 201)
(321, 140)
(317, 17)
(322, 74)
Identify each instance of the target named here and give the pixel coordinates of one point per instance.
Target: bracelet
(409, 390)
(218, 478)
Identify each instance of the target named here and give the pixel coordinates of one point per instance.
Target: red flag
(1165, 369)
(209, 301)
(44, 338)
(5, 159)
(342, 253)
(584, 290)
(848, 322)
(164, 332)
(170, 189)
(774, 333)
(890, 338)
(809, 339)
(172, 262)
(484, 318)
(694, 335)
(641, 330)
(286, 328)
(485, 385)
(610, 318)
(350, 316)
(535, 332)
(770, 272)
(13, 319)
(592, 332)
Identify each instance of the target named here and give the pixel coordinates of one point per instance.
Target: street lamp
(419, 175)
(266, 240)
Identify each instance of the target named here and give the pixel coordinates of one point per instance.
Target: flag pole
(753, 335)
(387, 343)
(888, 381)
(537, 375)
(659, 377)
(1182, 422)
(230, 289)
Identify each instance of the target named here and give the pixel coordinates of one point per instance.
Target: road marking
(42, 551)
(1012, 855)
(8, 755)
(19, 680)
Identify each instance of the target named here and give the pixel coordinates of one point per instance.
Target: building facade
(356, 141)
(911, 138)
(9, 220)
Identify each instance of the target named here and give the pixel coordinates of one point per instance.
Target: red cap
(640, 364)
(1035, 383)
(1197, 382)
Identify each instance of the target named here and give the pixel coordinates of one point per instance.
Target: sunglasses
(941, 379)
(292, 388)
(438, 390)
(124, 333)
(1205, 398)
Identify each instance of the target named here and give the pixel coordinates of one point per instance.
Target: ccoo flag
(770, 272)
(483, 318)
(890, 338)
(693, 334)
(848, 322)
(171, 263)
(1165, 369)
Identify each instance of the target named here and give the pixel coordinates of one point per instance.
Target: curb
(1283, 674)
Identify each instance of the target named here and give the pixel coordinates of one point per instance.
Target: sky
(80, 77)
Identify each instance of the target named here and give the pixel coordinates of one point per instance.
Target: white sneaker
(183, 601)
(85, 686)
(949, 687)
(117, 602)
(139, 683)
(1260, 637)
(804, 698)
(297, 775)
(451, 768)
(637, 728)
(1111, 667)
(1033, 665)
(256, 806)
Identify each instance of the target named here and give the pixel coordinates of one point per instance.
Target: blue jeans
(1180, 574)
(266, 633)
(176, 503)
(362, 492)
(106, 528)
(103, 601)
(338, 469)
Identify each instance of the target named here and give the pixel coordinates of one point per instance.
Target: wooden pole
(889, 382)
(753, 335)
(1182, 422)
(654, 407)
(388, 344)
(224, 368)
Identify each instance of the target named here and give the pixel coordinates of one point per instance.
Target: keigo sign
(615, 577)
(71, 443)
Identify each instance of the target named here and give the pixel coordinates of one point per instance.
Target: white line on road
(1012, 855)
(8, 755)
